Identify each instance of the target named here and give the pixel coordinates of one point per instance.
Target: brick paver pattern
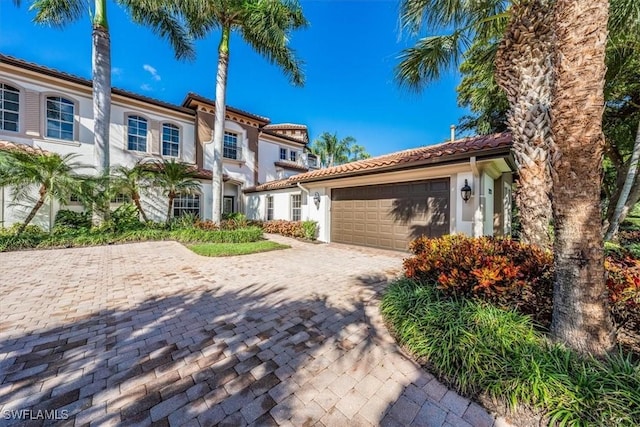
(152, 333)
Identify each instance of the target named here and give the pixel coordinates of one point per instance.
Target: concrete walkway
(151, 333)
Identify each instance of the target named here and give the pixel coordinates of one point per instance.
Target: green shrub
(194, 235)
(71, 220)
(186, 220)
(126, 217)
(479, 348)
(310, 229)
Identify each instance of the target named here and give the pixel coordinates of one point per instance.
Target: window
(137, 133)
(231, 149)
(269, 208)
(296, 207)
(60, 116)
(170, 140)
(228, 204)
(293, 155)
(120, 198)
(186, 204)
(283, 154)
(9, 107)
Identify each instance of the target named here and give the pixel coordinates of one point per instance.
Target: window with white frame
(9, 107)
(137, 133)
(170, 140)
(60, 116)
(296, 207)
(230, 149)
(186, 204)
(293, 155)
(283, 154)
(228, 204)
(120, 198)
(269, 208)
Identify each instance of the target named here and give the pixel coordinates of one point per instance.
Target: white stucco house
(268, 171)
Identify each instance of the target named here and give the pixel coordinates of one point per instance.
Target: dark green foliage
(310, 229)
(479, 348)
(67, 219)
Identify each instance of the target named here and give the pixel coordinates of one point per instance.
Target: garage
(389, 216)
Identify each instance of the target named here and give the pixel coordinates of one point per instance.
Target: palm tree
(523, 69)
(54, 176)
(331, 150)
(161, 18)
(174, 178)
(580, 313)
(265, 25)
(358, 152)
(128, 180)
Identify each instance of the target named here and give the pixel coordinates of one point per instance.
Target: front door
(228, 205)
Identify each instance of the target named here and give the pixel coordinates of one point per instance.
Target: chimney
(453, 133)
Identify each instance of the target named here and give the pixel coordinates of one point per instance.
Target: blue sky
(349, 49)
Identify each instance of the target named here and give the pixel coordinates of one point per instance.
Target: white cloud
(146, 87)
(151, 70)
(117, 72)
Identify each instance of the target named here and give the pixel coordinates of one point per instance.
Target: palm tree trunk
(34, 210)
(171, 197)
(580, 308)
(218, 127)
(621, 209)
(523, 70)
(101, 70)
(136, 201)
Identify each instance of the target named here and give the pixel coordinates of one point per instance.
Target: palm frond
(58, 13)
(425, 62)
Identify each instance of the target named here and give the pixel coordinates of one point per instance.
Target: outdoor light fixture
(316, 199)
(465, 191)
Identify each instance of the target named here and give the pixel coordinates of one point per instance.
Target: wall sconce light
(465, 191)
(316, 199)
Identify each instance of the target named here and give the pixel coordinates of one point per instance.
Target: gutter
(306, 190)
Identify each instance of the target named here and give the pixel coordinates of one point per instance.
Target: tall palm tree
(266, 26)
(523, 69)
(163, 19)
(331, 150)
(55, 178)
(358, 152)
(129, 180)
(580, 313)
(174, 178)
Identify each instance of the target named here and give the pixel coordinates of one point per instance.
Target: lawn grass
(231, 249)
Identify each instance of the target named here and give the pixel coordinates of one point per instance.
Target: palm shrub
(174, 178)
(129, 181)
(51, 176)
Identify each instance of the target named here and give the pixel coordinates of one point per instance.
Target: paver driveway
(152, 333)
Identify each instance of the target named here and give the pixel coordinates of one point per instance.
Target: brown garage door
(389, 216)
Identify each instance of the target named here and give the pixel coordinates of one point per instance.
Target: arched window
(60, 118)
(170, 140)
(9, 107)
(186, 204)
(137, 133)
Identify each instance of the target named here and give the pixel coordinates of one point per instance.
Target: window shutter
(31, 118)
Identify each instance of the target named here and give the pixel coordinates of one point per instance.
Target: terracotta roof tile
(9, 146)
(291, 165)
(411, 156)
(285, 126)
(271, 185)
(195, 96)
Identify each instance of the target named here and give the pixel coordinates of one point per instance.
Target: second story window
(230, 149)
(137, 133)
(60, 115)
(170, 140)
(293, 156)
(9, 107)
(283, 154)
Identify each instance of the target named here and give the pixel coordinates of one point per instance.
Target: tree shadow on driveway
(211, 355)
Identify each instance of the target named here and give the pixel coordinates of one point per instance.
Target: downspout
(477, 227)
(2, 221)
(306, 190)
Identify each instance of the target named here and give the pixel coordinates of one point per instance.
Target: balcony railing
(232, 152)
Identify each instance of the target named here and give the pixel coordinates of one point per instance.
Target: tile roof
(271, 185)
(432, 154)
(285, 126)
(10, 146)
(401, 159)
(196, 97)
(87, 82)
(283, 136)
(291, 165)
